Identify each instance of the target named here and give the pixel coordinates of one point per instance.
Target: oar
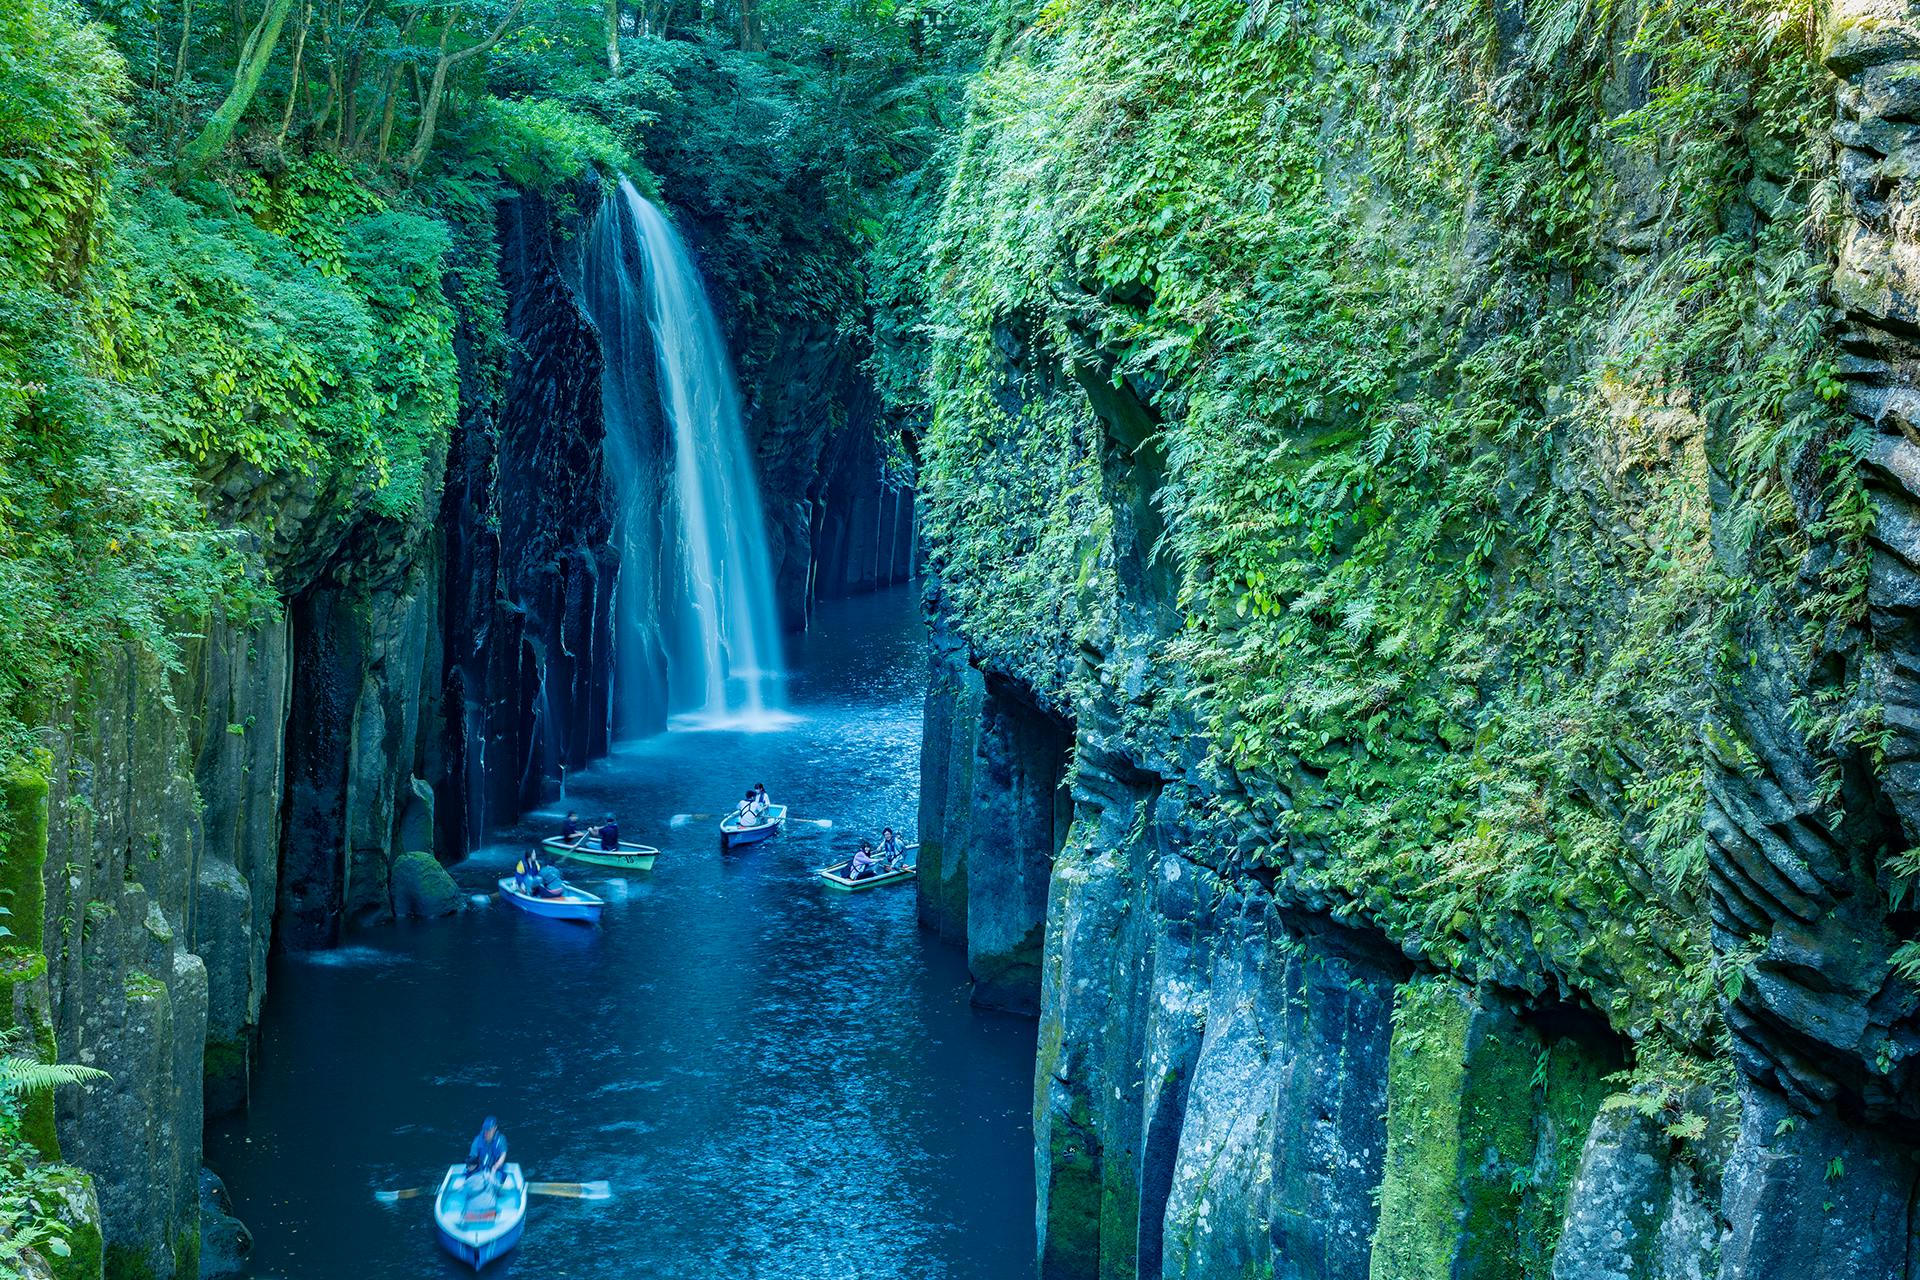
(822, 823)
(573, 1190)
(682, 819)
(391, 1197)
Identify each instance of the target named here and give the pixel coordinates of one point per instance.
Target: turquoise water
(779, 1079)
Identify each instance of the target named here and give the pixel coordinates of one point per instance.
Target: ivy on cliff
(1450, 329)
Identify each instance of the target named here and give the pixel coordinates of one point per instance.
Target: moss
(1119, 1219)
(1419, 1225)
(144, 986)
(1496, 1146)
(224, 1064)
(23, 855)
(1573, 1082)
(186, 1251)
(37, 1124)
(23, 895)
(125, 1262)
(1075, 1211)
(80, 1231)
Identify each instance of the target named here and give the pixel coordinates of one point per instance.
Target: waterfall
(696, 633)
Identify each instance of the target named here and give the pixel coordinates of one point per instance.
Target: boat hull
(732, 836)
(578, 905)
(477, 1244)
(632, 857)
(836, 877)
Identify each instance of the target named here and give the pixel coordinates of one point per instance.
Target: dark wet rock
(422, 889)
(528, 573)
(226, 1246)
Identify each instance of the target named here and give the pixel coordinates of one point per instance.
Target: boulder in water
(226, 1245)
(422, 889)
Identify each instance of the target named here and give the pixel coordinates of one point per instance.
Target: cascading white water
(704, 590)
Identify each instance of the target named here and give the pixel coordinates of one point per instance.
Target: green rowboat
(837, 877)
(632, 857)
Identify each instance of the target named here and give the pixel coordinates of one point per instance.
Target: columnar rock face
(529, 575)
(263, 791)
(1248, 1068)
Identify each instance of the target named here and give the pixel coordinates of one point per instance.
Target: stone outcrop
(1239, 1075)
(528, 572)
(304, 771)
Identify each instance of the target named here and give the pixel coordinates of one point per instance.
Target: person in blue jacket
(486, 1162)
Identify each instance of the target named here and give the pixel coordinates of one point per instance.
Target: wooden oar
(573, 1190)
(682, 819)
(822, 823)
(407, 1193)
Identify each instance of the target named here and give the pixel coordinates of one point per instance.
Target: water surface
(778, 1079)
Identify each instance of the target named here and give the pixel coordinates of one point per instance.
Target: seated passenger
(609, 832)
(552, 884)
(863, 864)
(892, 856)
(759, 800)
(746, 815)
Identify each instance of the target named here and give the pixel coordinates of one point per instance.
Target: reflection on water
(780, 1081)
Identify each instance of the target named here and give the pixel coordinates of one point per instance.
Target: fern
(24, 1072)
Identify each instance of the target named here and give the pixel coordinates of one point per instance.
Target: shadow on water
(779, 1080)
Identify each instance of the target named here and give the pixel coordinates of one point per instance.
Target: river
(779, 1080)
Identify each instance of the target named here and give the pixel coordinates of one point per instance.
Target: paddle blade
(822, 823)
(682, 819)
(572, 1190)
(391, 1197)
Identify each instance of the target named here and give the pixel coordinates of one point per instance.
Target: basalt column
(529, 574)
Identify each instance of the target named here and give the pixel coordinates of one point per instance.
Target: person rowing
(486, 1164)
(571, 831)
(892, 856)
(609, 833)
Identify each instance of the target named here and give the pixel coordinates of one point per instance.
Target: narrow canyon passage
(779, 1081)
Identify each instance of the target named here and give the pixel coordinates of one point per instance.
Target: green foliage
(23, 1071)
(1439, 378)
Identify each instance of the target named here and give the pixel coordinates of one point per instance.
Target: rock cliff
(1521, 900)
(421, 679)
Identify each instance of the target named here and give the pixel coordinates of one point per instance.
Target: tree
(255, 54)
(444, 63)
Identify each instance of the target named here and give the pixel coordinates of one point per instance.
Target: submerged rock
(422, 889)
(226, 1246)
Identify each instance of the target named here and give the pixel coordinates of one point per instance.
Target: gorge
(1377, 538)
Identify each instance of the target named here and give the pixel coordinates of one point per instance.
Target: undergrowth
(1449, 339)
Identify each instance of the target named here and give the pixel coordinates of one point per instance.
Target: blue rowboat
(478, 1228)
(578, 904)
(733, 832)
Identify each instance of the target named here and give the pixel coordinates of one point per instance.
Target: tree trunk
(436, 92)
(218, 130)
(186, 35)
(293, 86)
(613, 35)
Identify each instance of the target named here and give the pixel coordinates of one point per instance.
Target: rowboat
(732, 833)
(578, 904)
(478, 1233)
(631, 857)
(837, 877)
